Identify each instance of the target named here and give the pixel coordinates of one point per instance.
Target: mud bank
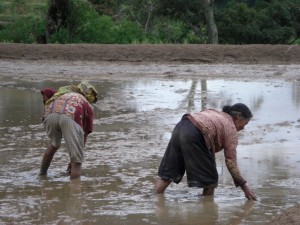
(212, 54)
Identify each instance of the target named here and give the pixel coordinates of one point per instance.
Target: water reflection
(203, 210)
(133, 122)
(65, 198)
(296, 93)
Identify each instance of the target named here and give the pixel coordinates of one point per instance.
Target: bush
(23, 30)
(267, 23)
(19, 7)
(169, 31)
(1, 7)
(236, 25)
(274, 22)
(96, 30)
(192, 38)
(85, 25)
(126, 32)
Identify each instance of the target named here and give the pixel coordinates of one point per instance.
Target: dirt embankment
(250, 54)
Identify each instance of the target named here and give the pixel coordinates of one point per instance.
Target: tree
(195, 13)
(106, 7)
(208, 8)
(267, 22)
(58, 12)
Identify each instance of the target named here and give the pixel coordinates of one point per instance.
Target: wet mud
(138, 108)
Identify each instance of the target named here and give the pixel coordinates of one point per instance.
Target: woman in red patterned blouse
(194, 142)
(69, 115)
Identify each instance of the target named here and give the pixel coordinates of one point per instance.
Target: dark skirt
(187, 152)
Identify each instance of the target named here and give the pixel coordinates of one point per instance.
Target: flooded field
(134, 119)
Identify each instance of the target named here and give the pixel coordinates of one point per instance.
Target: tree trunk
(57, 14)
(208, 6)
(151, 7)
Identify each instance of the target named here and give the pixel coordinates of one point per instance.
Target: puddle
(133, 122)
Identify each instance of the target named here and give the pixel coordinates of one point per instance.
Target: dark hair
(238, 108)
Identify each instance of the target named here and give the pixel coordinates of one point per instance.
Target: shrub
(169, 31)
(1, 7)
(266, 23)
(126, 32)
(23, 30)
(85, 25)
(19, 7)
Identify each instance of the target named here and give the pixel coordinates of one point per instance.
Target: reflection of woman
(205, 209)
(61, 203)
(194, 142)
(74, 202)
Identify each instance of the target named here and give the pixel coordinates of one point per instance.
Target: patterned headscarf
(88, 91)
(84, 88)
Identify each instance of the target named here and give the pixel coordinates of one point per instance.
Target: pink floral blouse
(220, 133)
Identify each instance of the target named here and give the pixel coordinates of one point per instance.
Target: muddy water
(133, 122)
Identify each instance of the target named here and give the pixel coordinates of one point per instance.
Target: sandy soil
(261, 54)
(103, 60)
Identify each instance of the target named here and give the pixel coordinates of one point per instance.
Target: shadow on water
(133, 122)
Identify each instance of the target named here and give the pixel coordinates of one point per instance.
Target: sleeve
(230, 145)
(88, 119)
(235, 172)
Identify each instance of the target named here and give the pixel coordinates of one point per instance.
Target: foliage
(274, 24)
(23, 30)
(236, 24)
(126, 32)
(85, 25)
(105, 7)
(1, 7)
(172, 31)
(269, 22)
(155, 21)
(191, 13)
(169, 31)
(19, 7)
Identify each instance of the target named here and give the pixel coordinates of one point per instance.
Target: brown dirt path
(249, 54)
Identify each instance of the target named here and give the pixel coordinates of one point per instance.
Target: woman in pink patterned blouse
(194, 142)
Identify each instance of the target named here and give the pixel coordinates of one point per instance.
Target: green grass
(11, 10)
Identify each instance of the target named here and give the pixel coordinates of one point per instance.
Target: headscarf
(84, 88)
(88, 91)
(48, 92)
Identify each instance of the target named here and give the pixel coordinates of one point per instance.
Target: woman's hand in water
(248, 193)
